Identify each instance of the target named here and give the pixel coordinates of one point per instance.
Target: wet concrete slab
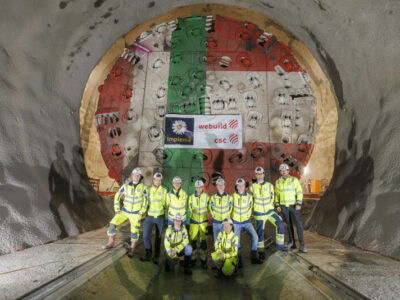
(24, 271)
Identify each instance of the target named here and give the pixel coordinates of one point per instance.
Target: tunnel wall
(49, 48)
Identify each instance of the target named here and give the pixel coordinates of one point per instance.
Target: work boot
(261, 255)
(291, 245)
(186, 266)
(219, 274)
(193, 263)
(147, 256)
(110, 244)
(167, 267)
(303, 248)
(254, 258)
(156, 259)
(132, 250)
(203, 264)
(240, 263)
(281, 248)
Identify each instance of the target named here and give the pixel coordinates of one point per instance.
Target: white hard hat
(259, 170)
(283, 167)
(199, 183)
(240, 180)
(137, 171)
(178, 217)
(177, 179)
(157, 175)
(220, 180)
(227, 220)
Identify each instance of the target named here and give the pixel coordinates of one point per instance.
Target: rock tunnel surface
(48, 58)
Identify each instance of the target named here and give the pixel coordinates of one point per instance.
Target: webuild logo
(233, 124)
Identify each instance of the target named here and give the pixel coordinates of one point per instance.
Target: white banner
(203, 131)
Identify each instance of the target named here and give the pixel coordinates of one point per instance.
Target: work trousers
(276, 220)
(217, 228)
(172, 261)
(226, 265)
(134, 219)
(248, 227)
(147, 228)
(197, 231)
(287, 212)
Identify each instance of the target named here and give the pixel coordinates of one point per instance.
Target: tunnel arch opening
(318, 166)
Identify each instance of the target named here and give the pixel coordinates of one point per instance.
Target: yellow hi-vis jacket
(288, 191)
(220, 207)
(175, 239)
(157, 201)
(198, 207)
(136, 198)
(176, 203)
(227, 244)
(242, 207)
(263, 194)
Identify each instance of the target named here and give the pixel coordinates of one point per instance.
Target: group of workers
(230, 214)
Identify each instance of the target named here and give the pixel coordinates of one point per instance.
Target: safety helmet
(178, 217)
(157, 175)
(227, 220)
(220, 180)
(177, 179)
(259, 170)
(137, 171)
(199, 183)
(240, 180)
(283, 167)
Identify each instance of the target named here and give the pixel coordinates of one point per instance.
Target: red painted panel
(232, 164)
(113, 111)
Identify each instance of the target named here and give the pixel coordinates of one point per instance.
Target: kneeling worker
(225, 256)
(198, 207)
(176, 244)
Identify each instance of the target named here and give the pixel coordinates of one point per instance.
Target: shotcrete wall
(49, 48)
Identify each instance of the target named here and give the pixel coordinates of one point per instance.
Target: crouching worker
(225, 256)
(133, 208)
(176, 244)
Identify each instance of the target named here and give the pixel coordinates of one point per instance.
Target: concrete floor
(373, 275)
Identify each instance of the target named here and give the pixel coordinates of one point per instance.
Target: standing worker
(198, 208)
(220, 207)
(263, 193)
(176, 244)
(176, 201)
(133, 208)
(241, 213)
(155, 216)
(225, 256)
(288, 200)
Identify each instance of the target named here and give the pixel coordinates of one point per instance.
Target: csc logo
(220, 141)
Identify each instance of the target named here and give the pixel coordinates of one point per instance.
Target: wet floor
(133, 279)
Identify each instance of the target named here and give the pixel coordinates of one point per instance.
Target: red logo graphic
(233, 138)
(233, 124)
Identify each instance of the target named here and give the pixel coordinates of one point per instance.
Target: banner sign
(203, 131)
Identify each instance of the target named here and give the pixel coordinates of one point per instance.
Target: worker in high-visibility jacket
(198, 208)
(241, 214)
(263, 210)
(176, 200)
(134, 207)
(220, 207)
(288, 200)
(226, 246)
(176, 244)
(155, 216)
